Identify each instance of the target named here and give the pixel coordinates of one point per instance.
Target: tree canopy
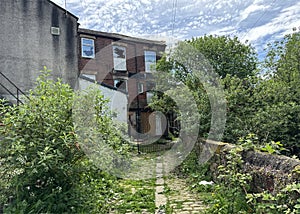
(266, 105)
(227, 55)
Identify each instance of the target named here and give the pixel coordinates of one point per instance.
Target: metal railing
(18, 90)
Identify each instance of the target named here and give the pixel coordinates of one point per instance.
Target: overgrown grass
(134, 196)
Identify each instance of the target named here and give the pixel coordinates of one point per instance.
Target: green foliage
(240, 106)
(273, 148)
(251, 142)
(278, 115)
(43, 168)
(39, 151)
(227, 55)
(194, 173)
(229, 194)
(286, 201)
(265, 105)
(233, 61)
(135, 196)
(232, 192)
(278, 95)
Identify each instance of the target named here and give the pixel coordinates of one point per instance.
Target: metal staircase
(15, 92)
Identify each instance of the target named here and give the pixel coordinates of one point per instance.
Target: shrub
(43, 168)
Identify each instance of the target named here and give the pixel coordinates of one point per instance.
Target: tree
(227, 55)
(221, 62)
(278, 95)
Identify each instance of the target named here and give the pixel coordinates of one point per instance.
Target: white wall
(118, 101)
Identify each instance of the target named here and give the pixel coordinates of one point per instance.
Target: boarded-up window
(119, 54)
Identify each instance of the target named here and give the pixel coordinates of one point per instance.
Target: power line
(259, 18)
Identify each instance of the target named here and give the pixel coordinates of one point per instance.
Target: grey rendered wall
(26, 42)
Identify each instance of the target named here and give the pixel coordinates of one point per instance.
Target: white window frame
(150, 65)
(87, 45)
(140, 87)
(119, 63)
(149, 96)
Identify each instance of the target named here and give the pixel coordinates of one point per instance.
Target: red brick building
(125, 64)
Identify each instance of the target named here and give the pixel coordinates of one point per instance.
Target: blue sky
(259, 21)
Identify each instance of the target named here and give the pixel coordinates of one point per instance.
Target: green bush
(229, 194)
(43, 168)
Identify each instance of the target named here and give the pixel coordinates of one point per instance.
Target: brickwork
(102, 68)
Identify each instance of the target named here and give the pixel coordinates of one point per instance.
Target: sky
(258, 21)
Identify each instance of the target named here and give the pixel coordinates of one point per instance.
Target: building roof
(120, 37)
(63, 9)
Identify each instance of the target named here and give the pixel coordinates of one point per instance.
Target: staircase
(15, 94)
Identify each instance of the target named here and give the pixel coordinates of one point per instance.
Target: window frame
(148, 68)
(140, 87)
(116, 65)
(124, 81)
(87, 45)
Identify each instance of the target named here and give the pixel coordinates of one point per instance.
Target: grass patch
(135, 196)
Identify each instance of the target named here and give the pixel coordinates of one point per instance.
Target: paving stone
(160, 200)
(159, 175)
(159, 171)
(182, 197)
(159, 165)
(160, 181)
(188, 203)
(183, 212)
(159, 189)
(197, 205)
(199, 208)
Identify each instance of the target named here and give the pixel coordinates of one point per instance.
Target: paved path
(181, 199)
(160, 198)
(172, 194)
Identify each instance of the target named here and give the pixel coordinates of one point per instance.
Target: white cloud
(251, 9)
(278, 26)
(254, 20)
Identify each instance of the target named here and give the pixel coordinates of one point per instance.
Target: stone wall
(269, 172)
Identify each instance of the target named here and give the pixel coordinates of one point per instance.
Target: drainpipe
(138, 100)
(138, 112)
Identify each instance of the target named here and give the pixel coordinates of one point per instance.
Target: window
(149, 96)
(150, 61)
(150, 86)
(121, 84)
(119, 54)
(87, 48)
(140, 88)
